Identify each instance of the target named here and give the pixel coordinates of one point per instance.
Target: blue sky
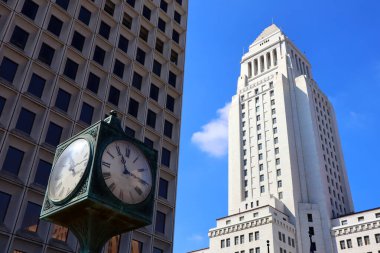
(342, 42)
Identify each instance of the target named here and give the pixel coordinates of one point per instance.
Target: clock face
(126, 172)
(68, 170)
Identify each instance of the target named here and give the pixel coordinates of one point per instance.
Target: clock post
(102, 184)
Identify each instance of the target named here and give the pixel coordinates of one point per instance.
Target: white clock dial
(68, 170)
(126, 172)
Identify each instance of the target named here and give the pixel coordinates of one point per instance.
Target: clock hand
(125, 171)
(139, 179)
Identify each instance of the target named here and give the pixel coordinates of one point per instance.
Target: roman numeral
(110, 154)
(135, 159)
(121, 195)
(118, 150)
(138, 190)
(106, 175)
(127, 152)
(112, 186)
(106, 164)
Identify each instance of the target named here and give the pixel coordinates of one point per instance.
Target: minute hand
(139, 179)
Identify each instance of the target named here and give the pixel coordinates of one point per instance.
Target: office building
(64, 65)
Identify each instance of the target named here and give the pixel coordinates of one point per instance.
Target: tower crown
(267, 32)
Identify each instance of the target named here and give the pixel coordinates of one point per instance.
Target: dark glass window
(160, 222)
(177, 17)
(25, 121)
(71, 69)
(157, 250)
(19, 37)
(179, 1)
(165, 157)
(109, 7)
(99, 55)
(104, 30)
(131, 2)
(63, 100)
(174, 57)
(42, 173)
(63, 3)
(13, 160)
(31, 217)
(159, 45)
(164, 5)
(140, 56)
(161, 24)
(113, 96)
(84, 15)
(55, 25)
(2, 104)
(172, 79)
(118, 68)
(157, 68)
(144, 33)
(133, 107)
(86, 113)
(123, 43)
(129, 131)
(146, 12)
(136, 246)
(137, 80)
(175, 36)
(78, 41)
(8, 69)
(154, 91)
(93, 82)
(148, 142)
(309, 217)
(127, 21)
(5, 198)
(46, 54)
(30, 9)
(151, 119)
(36, 85)
(170, 103)
(53, 135)
(163, 188)
(168, 129)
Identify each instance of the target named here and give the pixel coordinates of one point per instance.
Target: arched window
(274, 57)
(268, 61)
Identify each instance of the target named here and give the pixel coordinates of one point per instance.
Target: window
(55, 25)
(236, 239)
(344, 222)
(71, 69)
(159, 46)
(170, 103)
(276, 151)
(261, 167)
(42, 173)
(241, 239)
(311, 230)
(60, 233)
(257, 249)
(163, 188)
(99, 55)
(257, 235)
(342, 245)
(146, 12)
(172, 79)
(377, 238)
(157, 250)
(280, 195)
(261, 178)
(175, 36)
(278, 172)
(53, 135)
(154, 91)
(165, 157)
(250, 237)
(109, 7)
(123, 43)
(177, 17)
(25, 121)
(366, 240)
(36, 85)
(144, 33)
(19, 37)
(2, 104)
(274, 120)
(151, 119)
(118, 68)
(93, 82)
(113, 96)
(174, 57)
(156, 68)
(78, 41)
(5, 198)
(161, 24)
(361, 218)
(275, 140)
(309, 217)
(222, 243)
(63, 100)
(168, 129)
(133, 107)
(129, 131)
(127, 21)
(31, 217)
(63, 3)
(262, 189)
(104, 30)
(46, 54)
(136, 247)
(140, 56)
(359, 241)
(137, 80)
(30, 9)
(84, 15)
(279, 183)
(160, 222)
(179, 2)
(86, 113)
(148, 142)
(377, 215)
(13, 160)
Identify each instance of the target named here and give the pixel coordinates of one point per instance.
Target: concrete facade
(64, 65)
(284, 150)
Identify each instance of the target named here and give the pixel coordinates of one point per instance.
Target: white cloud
(196, 238)
(213, 138)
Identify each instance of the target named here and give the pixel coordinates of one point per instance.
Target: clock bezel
(62, 148)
